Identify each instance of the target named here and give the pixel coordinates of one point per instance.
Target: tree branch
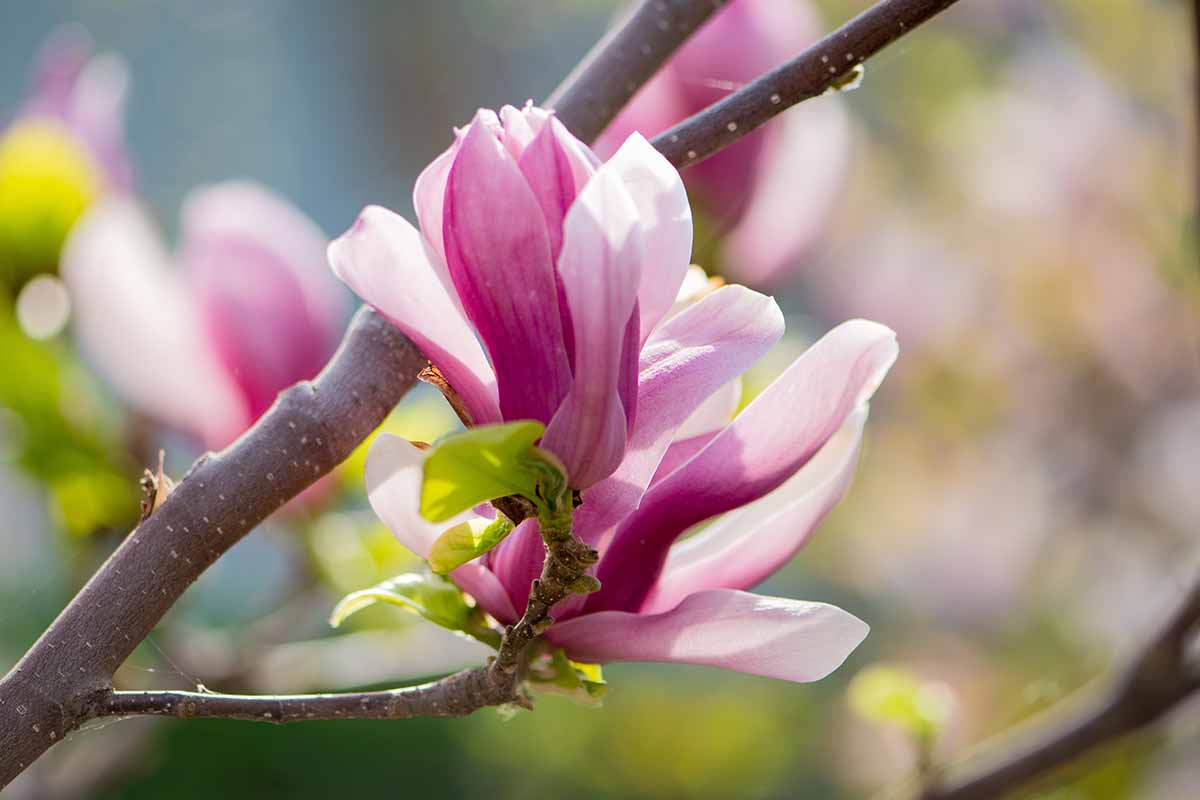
(812, 73)
(453, 696)
(66, 677)
(624, 60)
(564, 572)
(311, 428)
(1158, 679)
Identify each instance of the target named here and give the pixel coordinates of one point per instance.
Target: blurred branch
(824, 65)
(1159, 677)
(624, 60)
(311, 428)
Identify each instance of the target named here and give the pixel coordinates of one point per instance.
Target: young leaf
(555, 673)
(481, 464)
(894, 696)
(467, 541)
(434, 598)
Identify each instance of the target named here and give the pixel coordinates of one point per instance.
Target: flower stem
(564, 572)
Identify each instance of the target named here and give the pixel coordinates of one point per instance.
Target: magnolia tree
(547, 291)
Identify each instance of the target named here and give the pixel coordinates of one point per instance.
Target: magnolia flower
(205, 348)
(82, 97)
(62, 149)
(773, 188)
(567, 269)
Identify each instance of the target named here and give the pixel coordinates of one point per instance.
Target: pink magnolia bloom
(772, 190)
(84, 97)
(205, 347)
(568, 269)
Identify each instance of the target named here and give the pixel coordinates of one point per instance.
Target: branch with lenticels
(65, 678)
(823, 66)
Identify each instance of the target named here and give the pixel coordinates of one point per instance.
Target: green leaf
(433, 597)
(487, 462)
(467, 541)
(58, 429)
(554, 673)
(894, 696)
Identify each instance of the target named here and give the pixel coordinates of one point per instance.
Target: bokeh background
(1014, 197)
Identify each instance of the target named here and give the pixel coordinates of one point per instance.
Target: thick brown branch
(812, 73)
(310, 430)
(621, 63)
(1157, 680)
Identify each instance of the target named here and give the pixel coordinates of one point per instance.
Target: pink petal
(498, 253)
(684, 361)
(393, 475)
(256, 266)
(556, 170)
(97, 115)
(387, 263)
(770, 440)
(87, 95)
(482, 584)
(59, 62)
(600, 268)
(714, 413)
(769, 636)
(134, 320)
(393, 478)
(627, 381)
(429, 198)
(680, 452)
(518, 129)
(744, 547)
(518, 560)
(662, 205)
(556, 173)
(657, 106)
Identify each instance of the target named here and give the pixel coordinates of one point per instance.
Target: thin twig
(563, 573)
(812, 73)
(624, 60)
(454, 696)
(1158, 679)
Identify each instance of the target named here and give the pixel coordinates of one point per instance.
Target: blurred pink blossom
(770, 193)
(569, 271)
(205, 344)
(85, 95)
